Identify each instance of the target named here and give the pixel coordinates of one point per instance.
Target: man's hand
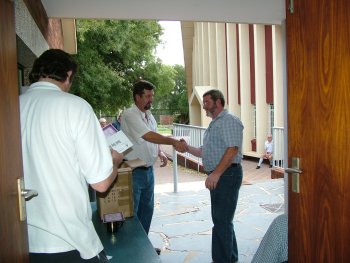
(181, 146)
(163, 159)
(117, 158)
(211, 181)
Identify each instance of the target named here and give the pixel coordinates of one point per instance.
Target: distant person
(140, 126)
(222, 156)
(268, 151)
(103, 122)
(64, 150)
(117, 121)
(274, 245)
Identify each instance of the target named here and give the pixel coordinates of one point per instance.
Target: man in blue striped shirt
(221, 155)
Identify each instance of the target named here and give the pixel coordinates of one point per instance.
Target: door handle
(295, 171)
(28, 194)
(23, 196)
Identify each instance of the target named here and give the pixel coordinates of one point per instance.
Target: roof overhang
(235, 11)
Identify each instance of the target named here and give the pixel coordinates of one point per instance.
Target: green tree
(176, 98)
(180, 97)
(112, 55)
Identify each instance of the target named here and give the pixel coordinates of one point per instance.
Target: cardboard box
(119, 198)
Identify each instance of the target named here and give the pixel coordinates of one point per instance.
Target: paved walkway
(182, 224)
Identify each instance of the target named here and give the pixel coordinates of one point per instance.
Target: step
(277, 172)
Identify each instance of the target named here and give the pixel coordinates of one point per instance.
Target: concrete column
(205, 54)
(277, 43)
(262, 108)
(246, 106)
(232, 95)
(200, 54)
(195, 56)
(221, 58)
(212, 55)
(194, 64)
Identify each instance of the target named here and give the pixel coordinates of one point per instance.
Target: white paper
(119, 142)
(116, 139)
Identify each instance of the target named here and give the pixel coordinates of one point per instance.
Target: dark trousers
(66, 257)
(223, 206)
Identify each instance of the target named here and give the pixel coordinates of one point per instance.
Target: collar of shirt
(221, 114)
(145, 118)
(44, 85)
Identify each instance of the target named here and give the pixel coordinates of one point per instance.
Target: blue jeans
(223, 206)
(143, 188)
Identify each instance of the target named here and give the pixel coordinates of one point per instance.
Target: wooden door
(14, 237)
(318, 71)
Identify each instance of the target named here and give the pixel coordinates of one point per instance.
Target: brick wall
(166, 119)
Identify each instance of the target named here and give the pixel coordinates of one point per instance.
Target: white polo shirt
(268, 146)
(134, 124)
(63, 148)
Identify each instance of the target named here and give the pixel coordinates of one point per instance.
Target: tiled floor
(182, 224)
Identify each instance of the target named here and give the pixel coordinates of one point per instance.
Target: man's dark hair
(215, 95)
(53, 64)
(140, 86)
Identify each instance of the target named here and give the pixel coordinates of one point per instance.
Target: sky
(171, 51)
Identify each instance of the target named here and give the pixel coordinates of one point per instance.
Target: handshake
(181, 146)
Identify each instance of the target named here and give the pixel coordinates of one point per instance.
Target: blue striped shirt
(274, 245)
(224, 131)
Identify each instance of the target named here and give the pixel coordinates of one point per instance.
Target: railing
(278, 146)
(193, 136)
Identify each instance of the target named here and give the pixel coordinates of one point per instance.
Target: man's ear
(68, 81)
(138, 97)
(69, 77)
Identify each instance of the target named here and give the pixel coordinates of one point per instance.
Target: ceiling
(236, 11)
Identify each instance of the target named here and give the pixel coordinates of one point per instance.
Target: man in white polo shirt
(140, 126)
(64, 150)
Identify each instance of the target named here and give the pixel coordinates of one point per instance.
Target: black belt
(143, 167)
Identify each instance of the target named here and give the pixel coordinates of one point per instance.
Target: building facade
(244, 61)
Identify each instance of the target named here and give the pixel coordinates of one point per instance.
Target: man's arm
(224, 163)
(195, 151)
(105, 184)
(179, 145)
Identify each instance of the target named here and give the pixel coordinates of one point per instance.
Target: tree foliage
(175, 98)
(113, 55)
